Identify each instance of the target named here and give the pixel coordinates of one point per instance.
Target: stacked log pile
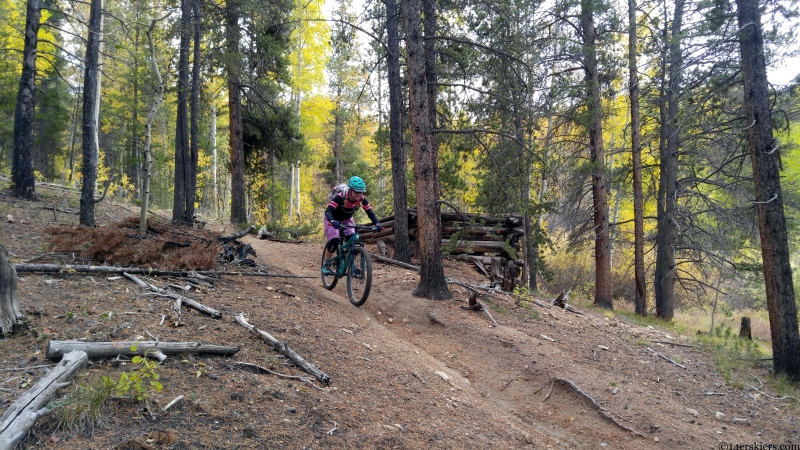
(484, 240)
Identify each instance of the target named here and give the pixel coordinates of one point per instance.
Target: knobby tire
(359, 277)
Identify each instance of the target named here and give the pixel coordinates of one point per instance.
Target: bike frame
(345, 257)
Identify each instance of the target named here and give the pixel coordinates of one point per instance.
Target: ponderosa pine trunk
(664, 282)
(602, 240)
(23, 181)
(640, 299)
(232, 37)
(765, 156)
(402, 250)
(182, 158)
(89, 124)
(432, 284)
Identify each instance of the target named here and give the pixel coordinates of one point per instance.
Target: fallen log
(183, 300)
(66, 268)
(55, 349)
(394, 262)
(20, 417)
(237, 235)
(284, 350)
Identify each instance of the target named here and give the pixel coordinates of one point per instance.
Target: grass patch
(733, 357)
(79, 410)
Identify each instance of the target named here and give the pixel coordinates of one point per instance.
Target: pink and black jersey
(341, 208)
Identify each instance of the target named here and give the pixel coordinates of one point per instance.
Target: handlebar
(358, 227)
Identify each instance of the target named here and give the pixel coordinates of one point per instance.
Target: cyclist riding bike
(340, 212)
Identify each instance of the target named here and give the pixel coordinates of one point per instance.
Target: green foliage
(79, 410)
(282, 229)
(139, 384)
(733, 357)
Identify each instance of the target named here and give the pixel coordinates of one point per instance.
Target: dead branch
(284, 349)
(486, 310)
(65, 268)
(435, 319)
(665, 358)
(237, 235)
(260, 369)
(183, 300)
(602, 410)
(394, 262)
(673, 343)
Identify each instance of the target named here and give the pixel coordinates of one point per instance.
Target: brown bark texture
(402, 249)
(764, 155)
(640, 301)
(432, 283)
(666, 236)
(233, 36)
(602, 242)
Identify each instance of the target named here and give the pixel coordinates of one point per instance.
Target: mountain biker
(340, 211)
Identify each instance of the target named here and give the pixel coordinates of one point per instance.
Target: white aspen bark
(151, 115)
(214, 151)
(298, 189)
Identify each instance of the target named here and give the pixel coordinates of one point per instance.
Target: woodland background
(511, 114)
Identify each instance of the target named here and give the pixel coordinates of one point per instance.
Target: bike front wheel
(359, 277)
(329, 281)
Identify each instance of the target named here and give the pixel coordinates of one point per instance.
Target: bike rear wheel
(329, 281)
(359, 277)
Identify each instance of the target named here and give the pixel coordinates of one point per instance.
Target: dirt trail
(504, 374)
(398, 379)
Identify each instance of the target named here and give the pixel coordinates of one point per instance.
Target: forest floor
(398, 379)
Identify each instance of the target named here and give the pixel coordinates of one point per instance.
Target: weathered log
(112, 349)
(66, 268)
(22, 415)
(184, 300)
(284, 350)
(237, 235)
(11, 318)
(394, 262)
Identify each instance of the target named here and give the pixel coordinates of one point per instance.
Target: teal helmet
(357, 184)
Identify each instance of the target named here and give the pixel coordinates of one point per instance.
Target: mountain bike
(350, 260)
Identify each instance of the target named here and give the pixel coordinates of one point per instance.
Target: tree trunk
(55, 349)
(11, 318)
(194, 149)
(667, 212)
(765, 156)
(402, 249)
(636, 150)
(20, 417)
(602, 245)
(23, 182)
(90, 83)
(182, 157)
(233, 35)
(148, 127)
(426, 170)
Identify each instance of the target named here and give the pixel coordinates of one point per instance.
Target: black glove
(335, 224)
(378, 228)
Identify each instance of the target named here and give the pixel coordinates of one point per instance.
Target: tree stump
(11, 318)
(744, 329)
